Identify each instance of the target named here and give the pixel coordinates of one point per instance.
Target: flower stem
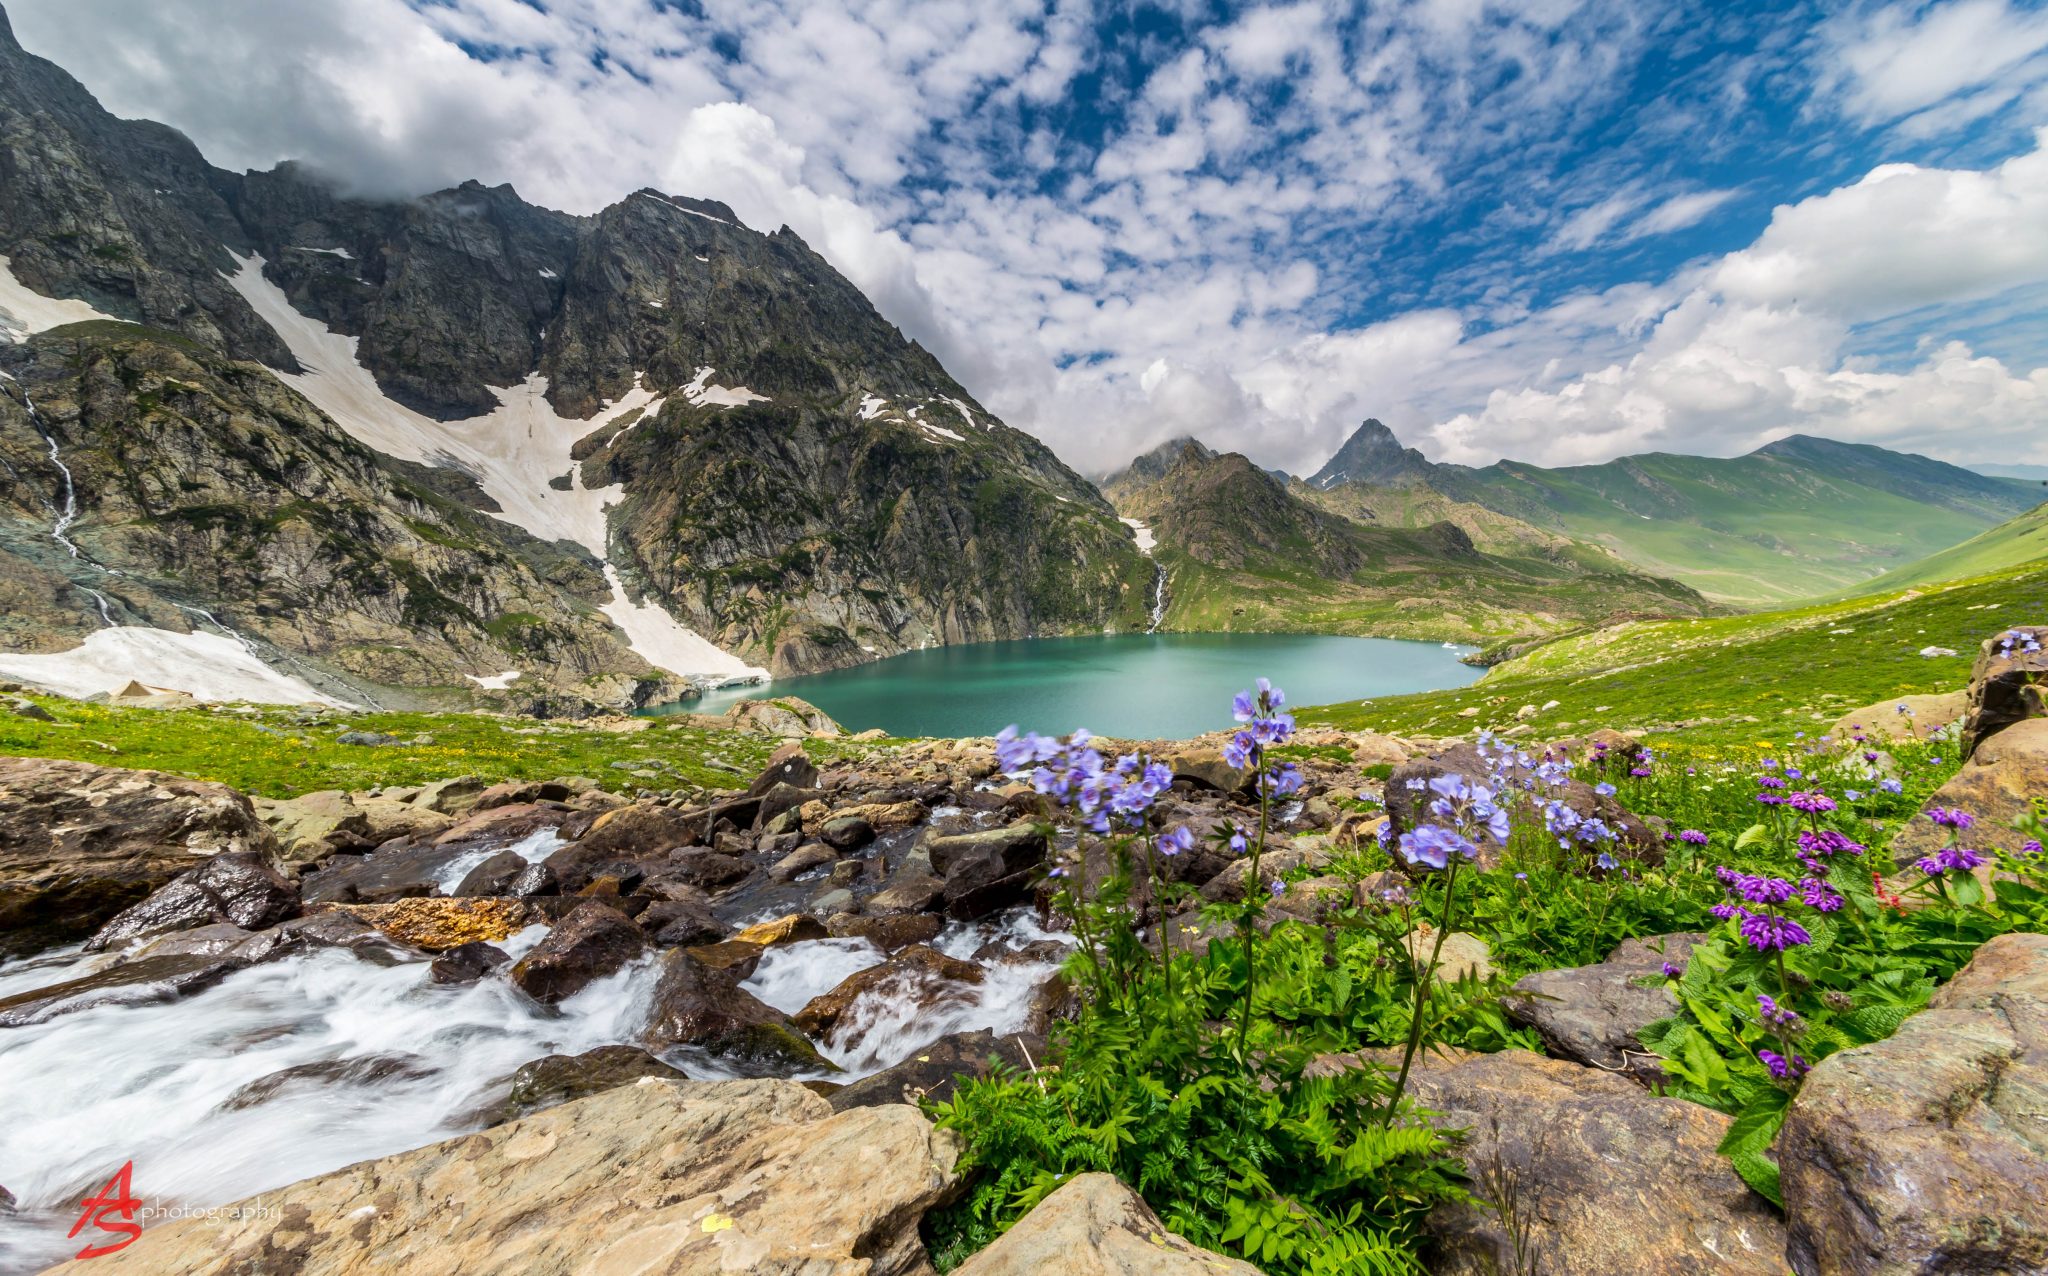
(1247, 930)
(1423, 987)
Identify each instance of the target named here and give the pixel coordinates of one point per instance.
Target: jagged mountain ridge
(1244, 551)
(805, 487)
(1800, 517)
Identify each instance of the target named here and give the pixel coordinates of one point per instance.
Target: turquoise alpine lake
(1135, 686)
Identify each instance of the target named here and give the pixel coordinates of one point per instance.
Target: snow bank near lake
(208, 666)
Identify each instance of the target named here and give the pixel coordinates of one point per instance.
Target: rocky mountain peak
(1374, 456)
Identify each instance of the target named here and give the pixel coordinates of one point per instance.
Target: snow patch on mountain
(205, 666)
(1143, 533)
(494, 681)
(24, 311)
(666, 644)
(871, 406)
(701, 393)
(512, 452)
(342, 253)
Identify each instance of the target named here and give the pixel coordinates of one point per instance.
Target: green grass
(1740, 681)
(282, 753)
(2004, 547)
(1756, 530)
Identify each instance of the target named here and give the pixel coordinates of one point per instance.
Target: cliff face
(797, 481)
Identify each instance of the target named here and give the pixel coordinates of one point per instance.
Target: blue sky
(1559, 230)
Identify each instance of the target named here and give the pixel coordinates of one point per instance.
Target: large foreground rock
(79, 843)
(1609, 1179)
(1928, 1151)
(1997, 786)
(1095, 1226)
(659, 1178)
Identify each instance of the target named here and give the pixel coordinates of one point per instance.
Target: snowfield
(24, 312)
(512, 452)
(207, 666)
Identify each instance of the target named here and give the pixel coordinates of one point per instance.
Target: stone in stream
(682, 923)
(436, 925)
(496, 876)
(802, 860)
(987, 871)
(130, 983)
(930, 1072)
(561, 1078)
(699, 1006)
(1928, 1151)
(658, 1176)
(1093, 1225)
(238, 887)
(846, 833)
(919, 973)
(593, 941)
(910, 890)
(79, 843)
(889, 934)
(794, 928)
(400, 870)
(315, 1078)
(467, 964)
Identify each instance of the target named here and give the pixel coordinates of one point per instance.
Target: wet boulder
(404, 870)
(919, 974)
(698, 1006)
(496, 876)
(795, 928)
(467, 963)
(734, 957)
(437, 924)
(889, 934)
(680, 923)
(987, 871)
(563, 1078)
(591, 942)
(846, 833)
(1928, 1151)
(239, 888)
(932, 1071)
(315, 825)
(802, 860)
(80, 843)
(129, 983)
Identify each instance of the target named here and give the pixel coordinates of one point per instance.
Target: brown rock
(239, 888)
(1609, 1180)
(563, 1078)
(787, 765)
(697, 1005)
(660, 1176)
(79, 843)
(793, 929)
(593, 941)
(1996, 786)
(2005, 688)
(1928, 1151)
(1882, 721)
(930, 1072)
(1095, 1226)
(886, 933)
(436, 925)
(919, 972)
(732, 956)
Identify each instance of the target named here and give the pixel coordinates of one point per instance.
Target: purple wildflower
(1768, 932)
(1819, 896)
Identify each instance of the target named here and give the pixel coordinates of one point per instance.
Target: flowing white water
(1158, 597)
(533, 848)
(152, 1084)
(387, 1061)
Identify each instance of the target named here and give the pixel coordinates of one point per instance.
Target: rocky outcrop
(657, 1177)
(1591, 1014)
(1928, 1151)
(239, 888)
(315, 825)
(1996, 786)
(80, 843)
(1095, 1226)
(1600, 1177)
(2008, 684)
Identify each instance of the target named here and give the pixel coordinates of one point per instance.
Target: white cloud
(1195, 267)
(1890, 61)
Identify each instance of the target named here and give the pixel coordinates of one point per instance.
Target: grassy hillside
(1244, 553)
(1759, 530)
(1745, 681)
(2004, 547)
(1491, 531)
